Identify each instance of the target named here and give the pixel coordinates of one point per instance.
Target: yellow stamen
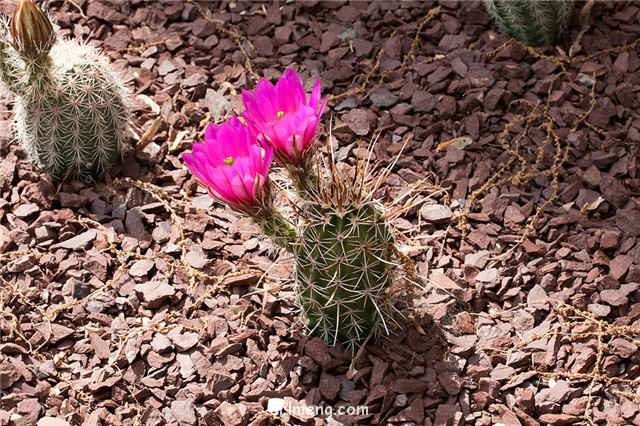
(228, 161)
(280, 114)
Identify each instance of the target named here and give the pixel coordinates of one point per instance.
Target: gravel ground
(139, 301)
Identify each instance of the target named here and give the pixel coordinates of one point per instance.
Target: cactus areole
(343, 273)
(535, 22)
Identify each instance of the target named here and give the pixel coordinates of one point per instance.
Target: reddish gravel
(139, 301)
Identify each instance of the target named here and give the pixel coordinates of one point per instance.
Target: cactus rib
(535, 22)
(343, 272)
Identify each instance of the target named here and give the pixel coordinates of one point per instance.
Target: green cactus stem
(344, 271)
(535, 22)
(305, 177)
(276, 227)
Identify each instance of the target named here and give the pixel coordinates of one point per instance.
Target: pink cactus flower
(281, 116)
(232, 166)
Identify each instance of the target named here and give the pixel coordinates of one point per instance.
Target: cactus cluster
(71, 109)
(342, 244)
(535, 22)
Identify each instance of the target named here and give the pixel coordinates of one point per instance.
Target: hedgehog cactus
(71, 110)
(534, 22)
(343, 272)
(342, 244)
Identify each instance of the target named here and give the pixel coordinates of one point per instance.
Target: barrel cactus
(71, 109)
(342, 244)
(344, 270)
(535, 22)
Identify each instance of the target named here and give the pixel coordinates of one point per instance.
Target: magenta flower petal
(321, 109)
(310, 130)
(314, 99)
(231, 165)
(280, 116)
(290, 93)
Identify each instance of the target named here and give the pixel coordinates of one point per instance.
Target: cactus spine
(71, 110)
(534, 22)
(343, 272)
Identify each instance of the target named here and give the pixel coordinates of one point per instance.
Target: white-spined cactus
(71, 109)
(535, 22)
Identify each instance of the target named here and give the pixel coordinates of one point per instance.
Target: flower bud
(31, 30)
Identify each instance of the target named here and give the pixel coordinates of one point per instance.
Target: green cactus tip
(535, 22)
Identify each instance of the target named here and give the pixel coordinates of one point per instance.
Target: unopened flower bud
(31, 30)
